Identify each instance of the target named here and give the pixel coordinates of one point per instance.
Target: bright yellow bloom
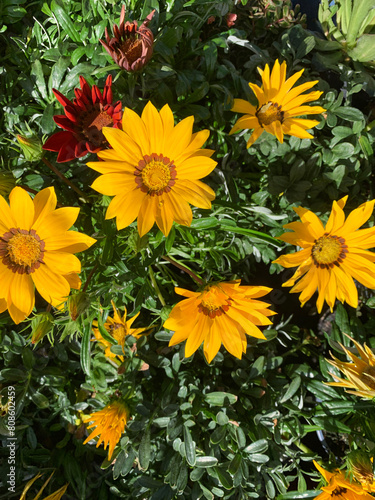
(153, 170)
(57, 495)
(340, 488)
(220, 313)
(278, 106)
(360, 374)
(331, 256)
(119, 329)
(36, 249)
(110, 423)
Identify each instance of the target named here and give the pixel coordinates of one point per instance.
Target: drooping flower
(119, 329)
(83, 121)
(339, 487)
(360, 373)
(109, 424)
(130, 47)
(361, 466)
(153, 170)
(278, 106)
(56, 495)
(36, 249)
(221, 313)
(331, 256)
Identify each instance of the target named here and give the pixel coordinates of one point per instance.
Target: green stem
(185, 269)
(89, 278)
(64, 179)
(155, 285)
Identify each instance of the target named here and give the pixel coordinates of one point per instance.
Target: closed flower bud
(361, 467)
(131, 46)
(41, 325)
(31, 147)
(77, 304)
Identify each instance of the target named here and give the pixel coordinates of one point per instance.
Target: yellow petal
(259, 93)
(69, 241)
(245, 122)
(212, 342)
(112, 184)
(197, 336)
(134, 126)
(179, 139)
(191, 192)
(195, 167)
(167, 119)
(123, 144)
(126, 207)
(62, 263)
(22, 296)
(44, 203)
(53, 287)
(22, 208)
(146, 216)
(154, 127)
(254, 136)
(58, 221)
(242, 106)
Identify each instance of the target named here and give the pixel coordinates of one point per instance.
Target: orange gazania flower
(153, 170)
(83, 121)
(36, 249)
(339, 487)
(119, 329)
(220, 313)
(278, 106)
(130, 47)
(109, 424)
(331, 255)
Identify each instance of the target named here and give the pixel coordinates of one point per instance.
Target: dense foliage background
(235, 429)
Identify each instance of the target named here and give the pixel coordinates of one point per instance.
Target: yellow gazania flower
(153, 170)
(36, 249)
(220, 313)
(110, 423)
(340, 488)
(57, 495)
(331, 256)
(119, 329)
(361, 466)
(360, 374)
(278, 106)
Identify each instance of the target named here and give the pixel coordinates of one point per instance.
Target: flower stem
(185, 269)
(64, 179)
(155, 285)
(89, 278)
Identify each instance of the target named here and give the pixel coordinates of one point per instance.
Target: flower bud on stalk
(31, 147)
(41, 325)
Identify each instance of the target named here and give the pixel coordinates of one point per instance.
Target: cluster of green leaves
(236, 428)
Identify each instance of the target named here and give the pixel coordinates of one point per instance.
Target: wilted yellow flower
(278, 106)
(361, 467)
(153, 170)
(110, 423)
(57, 495)
(331, 255)
(220, 313)
(119, 329)
(360, 373)
(339, 487)
(36, 249)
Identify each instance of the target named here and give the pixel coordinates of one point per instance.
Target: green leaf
(295, 495)
(292, 389)
(64, 20)
(349, 113)
(40, 84)
(40, 400)
(224, 478)
(365, 146)
(256, 235)
(144, 451)
(206, 461)
(220, 398)
(86, 349)
(103, 332)
(257, 447)
(189, 446)
(343, 150)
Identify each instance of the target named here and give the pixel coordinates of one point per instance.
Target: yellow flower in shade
(361, 466)
(360, 373)
(109, 424)
(220, 313)
(57, 495)
(331, 255)
(278, 106)
(36, 249)
(339, 487)
(119, 329)
(153, 170)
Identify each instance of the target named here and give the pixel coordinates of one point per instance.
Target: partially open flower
(361, 467)
(83, 121)
(131, 47)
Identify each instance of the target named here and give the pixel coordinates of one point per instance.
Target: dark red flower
(83, 121)
(231, 19)
(131, 47)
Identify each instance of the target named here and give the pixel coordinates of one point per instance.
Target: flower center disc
(21, 251)
(132, 48)
(339, 491)
(269, 113)
(155, 174)
(329, 251)
(214, 302)
(92, 123)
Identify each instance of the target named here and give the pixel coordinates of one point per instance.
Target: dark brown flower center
(91, 123)
(329, 251)
(21, 251)
(339, 491)
(155, 174)
(269, 113)
(131, 47)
